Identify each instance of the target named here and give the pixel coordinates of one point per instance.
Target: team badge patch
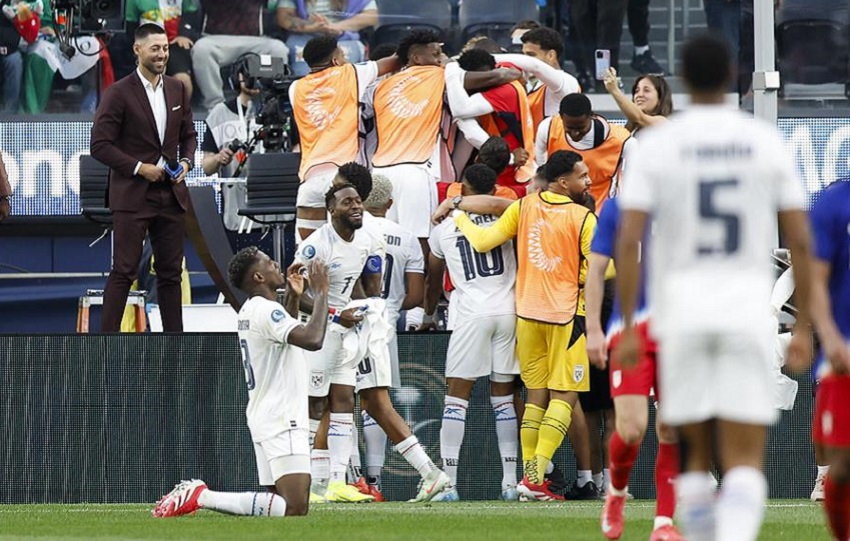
(277, 316)
(578, 373)
(617, 378)
(309, 252)
(826, 423)
(317, 379)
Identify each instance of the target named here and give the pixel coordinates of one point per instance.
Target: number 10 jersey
(484, 282)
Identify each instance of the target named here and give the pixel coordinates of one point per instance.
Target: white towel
(369, 338)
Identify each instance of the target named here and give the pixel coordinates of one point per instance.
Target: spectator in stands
(180, 37)
(651, 103)
(724, 17)
(598, 25)
(5, 192)
(229, 32)
(637, 16)
(343, 19)
(11, 65)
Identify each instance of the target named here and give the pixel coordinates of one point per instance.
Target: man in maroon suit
(143, 124)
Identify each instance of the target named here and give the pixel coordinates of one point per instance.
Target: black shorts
(599, 396)
(179, 60)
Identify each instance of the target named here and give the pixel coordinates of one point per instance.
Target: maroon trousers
(162, 217)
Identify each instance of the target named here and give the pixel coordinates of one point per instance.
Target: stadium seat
(494, 18)
(800, 51)
(272, 188)
(398, 17)
(94, 179)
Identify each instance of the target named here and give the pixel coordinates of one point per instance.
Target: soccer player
(326, 109)
(602, 145)
(501, 111)
(272, 340)
(553, 236)
(403, 288)
(630, 389)
(483, 323)
(355, 259)
(712, 181)
(830, 217)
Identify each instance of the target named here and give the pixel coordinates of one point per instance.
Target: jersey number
(246, 361)
(478, 264)
(388, 276)
(348, 281)
(730, 241)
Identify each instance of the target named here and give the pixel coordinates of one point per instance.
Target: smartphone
(603, 62)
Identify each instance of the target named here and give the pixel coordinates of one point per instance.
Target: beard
(152, 67)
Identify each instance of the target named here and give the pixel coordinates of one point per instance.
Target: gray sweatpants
(211, 52)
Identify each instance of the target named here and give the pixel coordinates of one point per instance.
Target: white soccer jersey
(345, 260)
(484, 282)
(403, 255)
(276, 372)
(712, 180)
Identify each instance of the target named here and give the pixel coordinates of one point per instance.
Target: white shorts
(311, 192)
(726, 376)
(285, 454)
(373, 374)
(396, 371)
(414, 197)
(482, 347)
(326, 366)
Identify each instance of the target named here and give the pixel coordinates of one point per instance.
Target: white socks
(320, 470)
(697, 505)
(583, 477)
(640, 49)
(597, 479)
(740, 506)
(257, 504)
(355, 467)
(339, 444)
(376, 449)
(416, 456)
(507, 434)
(314, 427)
(823, 470)
(451, 434)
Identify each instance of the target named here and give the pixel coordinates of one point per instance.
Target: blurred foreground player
(630, 389)
(277, 377)
(712, 182)
(830, 217)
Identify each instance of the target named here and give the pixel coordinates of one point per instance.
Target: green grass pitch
(791, 520)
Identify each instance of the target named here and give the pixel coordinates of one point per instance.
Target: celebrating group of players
(527, 261)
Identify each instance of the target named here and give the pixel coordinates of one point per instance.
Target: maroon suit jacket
(124, 133)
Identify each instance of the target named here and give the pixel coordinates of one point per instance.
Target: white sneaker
(448, 494)
(509, 494)
(817, 492)
(431, 485)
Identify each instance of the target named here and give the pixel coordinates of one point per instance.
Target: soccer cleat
(540, 493)
(448, 494)
(666, 533)
(586, 492)
(557, 481)
(376, 493)
(612, 516)
(339, 492)
(317, 498)
(361, 485)
(817, 492)
(182, 500)
(509, 494)
(431, 485)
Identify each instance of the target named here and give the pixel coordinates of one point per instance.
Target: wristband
(333, 315)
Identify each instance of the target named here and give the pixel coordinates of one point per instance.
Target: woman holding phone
(651, 103)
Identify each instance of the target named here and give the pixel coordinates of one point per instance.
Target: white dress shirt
(156, 98)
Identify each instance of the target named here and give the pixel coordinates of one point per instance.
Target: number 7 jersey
(712, 181)
(484, 282)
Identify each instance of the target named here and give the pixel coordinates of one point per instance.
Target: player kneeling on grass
(277, 377)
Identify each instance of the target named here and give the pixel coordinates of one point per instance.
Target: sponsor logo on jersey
(277, 316)
(309, 252)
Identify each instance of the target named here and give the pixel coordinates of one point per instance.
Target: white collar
(146, 83)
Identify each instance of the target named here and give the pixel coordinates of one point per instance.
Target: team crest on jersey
(617, 378)
(277, 316)
(317, 379)
(578, 373)
(309, 252)
(826, 423)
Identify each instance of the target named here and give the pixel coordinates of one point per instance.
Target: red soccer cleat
(374, 491)
(182, 500)
(612, 516)
(666, 533)
(361, 485)
(540, 493)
